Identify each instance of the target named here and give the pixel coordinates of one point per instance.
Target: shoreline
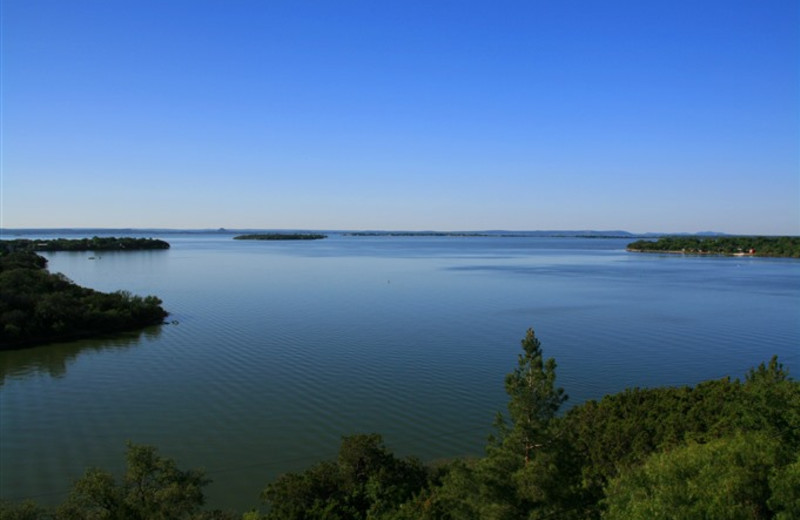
(699, 253)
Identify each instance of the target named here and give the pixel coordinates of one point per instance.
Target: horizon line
(604, 232)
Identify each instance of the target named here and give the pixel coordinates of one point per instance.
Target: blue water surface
(275, 350)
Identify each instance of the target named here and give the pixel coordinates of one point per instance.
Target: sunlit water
(277, 349)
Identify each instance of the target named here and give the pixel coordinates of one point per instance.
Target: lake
(275, 349)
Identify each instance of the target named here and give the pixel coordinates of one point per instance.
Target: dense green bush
(365, 481)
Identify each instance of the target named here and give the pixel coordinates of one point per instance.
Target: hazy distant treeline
(281, 236)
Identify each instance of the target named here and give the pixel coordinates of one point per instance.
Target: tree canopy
(365, 481)
(152, 488)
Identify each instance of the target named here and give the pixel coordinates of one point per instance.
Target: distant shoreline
(85, 244)
(760, 246)
(689, 253)
(281, 236)
(606, 233)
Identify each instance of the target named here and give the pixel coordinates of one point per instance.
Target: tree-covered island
(281, 236)
(85, 244)
(720, 449)
(787, 246)
(38, 307)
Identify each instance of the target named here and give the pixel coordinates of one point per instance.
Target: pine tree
(519, 477)
(534, 399)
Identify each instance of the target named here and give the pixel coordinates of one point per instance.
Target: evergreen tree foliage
(514, 480)
(534, 401)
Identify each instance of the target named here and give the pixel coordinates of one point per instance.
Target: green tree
(23, 511)
(534, 400)
(153, 488)
(365, 481)
(785, 486)
(523, 467)
(725, 478)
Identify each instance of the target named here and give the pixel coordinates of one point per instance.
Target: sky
(645, 116)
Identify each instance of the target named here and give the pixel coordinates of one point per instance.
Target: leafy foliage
(785, 486)
(365, 481)
(152, 488)
(623, 430)
(27, 510)
(725, 478)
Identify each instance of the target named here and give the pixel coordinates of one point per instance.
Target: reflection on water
(54, 359)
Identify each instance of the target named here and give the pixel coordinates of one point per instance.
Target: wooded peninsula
(84, 244)
(721, 449)
(281, 236)
(38, 307)
(786, 247)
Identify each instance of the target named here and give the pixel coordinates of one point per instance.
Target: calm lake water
(277, 349)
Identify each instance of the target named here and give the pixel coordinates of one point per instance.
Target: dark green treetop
(152, 488)
(365, 481)
(534, 399)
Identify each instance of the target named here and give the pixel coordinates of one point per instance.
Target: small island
(39, 307)
(281, 236)
(784, 247)
(85, 244)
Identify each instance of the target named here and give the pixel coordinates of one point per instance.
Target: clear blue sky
(640, 115)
